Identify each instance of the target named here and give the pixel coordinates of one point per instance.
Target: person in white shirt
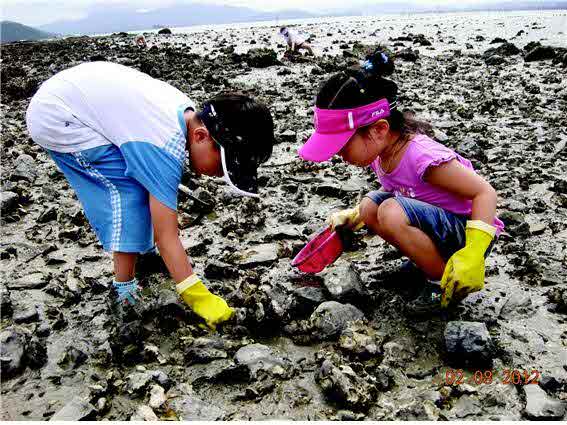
(121, 137)
(295, 41)
(140, 41)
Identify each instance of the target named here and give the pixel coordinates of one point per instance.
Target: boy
(120, 138)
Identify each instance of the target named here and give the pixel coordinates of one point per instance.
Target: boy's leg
(116, 207)
(124, 266)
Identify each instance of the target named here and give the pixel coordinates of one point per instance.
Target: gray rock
(308, 297)
(215, 269)
(399, 352)
(77, 409)
(261, 58)
(343, 386)
(189, 407)
(48, 215)
(288, 136)
(418, 410)
(205, 350)
(505, 49)
(283, 232)
(343, 284)
(469, 343)
(336, 189)
(440, 135)
(539, 406)
(144, 413)
(138, 381)
(495, 60)
(258, 357)
(540, 53)
(35, 280)
(25, 313)
(8, 201)
(331, 318)
(36, 352)
(560, 185)
(25, 169)
(408, 54)
(359, 340)
(259, 255)
(5, 302)
(12, 352)
(161, 378)
(157, 397)
(72, 358)
(551, 384)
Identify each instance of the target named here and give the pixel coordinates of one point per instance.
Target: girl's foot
(428, 302)
(129, 293)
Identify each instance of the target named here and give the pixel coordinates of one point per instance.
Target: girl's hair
(249, 119)
(357, 87)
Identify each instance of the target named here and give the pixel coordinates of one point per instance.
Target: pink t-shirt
(407, 178)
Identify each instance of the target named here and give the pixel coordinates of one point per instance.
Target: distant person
(120, 138)
(432, 205)
(295, 41)
(141, 41)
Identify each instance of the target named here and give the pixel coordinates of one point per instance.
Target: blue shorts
(117, 206)
(446, 229)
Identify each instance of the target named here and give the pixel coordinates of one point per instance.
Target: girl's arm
(166, 234)
(461, 181)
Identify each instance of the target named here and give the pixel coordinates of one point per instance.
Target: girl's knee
(368, 211)
(391, 216)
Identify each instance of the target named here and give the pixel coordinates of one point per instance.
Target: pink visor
(334, 128)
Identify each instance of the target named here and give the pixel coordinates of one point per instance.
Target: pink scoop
(320, 252)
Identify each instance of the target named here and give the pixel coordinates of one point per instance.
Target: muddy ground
(339, 345)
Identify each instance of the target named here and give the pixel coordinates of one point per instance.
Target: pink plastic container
(320, 252)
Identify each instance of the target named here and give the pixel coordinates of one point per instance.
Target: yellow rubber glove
(349, 219)
(212, 308)
(464, 272)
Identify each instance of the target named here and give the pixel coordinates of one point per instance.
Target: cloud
(38, 12)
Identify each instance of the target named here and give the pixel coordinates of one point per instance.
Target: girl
(120, 138)
(434, 207)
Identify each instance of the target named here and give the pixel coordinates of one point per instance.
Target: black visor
(239, 164)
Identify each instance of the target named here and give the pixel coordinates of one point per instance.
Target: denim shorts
(446, 229)
(117, 206)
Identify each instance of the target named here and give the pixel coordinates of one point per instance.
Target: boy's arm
(166, 234)
(461, 181)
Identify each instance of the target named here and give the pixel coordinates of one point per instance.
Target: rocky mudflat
(338, 345)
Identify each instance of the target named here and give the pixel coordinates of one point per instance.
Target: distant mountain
(12, 31)
(108, 18)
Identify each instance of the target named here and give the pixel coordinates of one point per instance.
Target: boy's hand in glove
(212, 308)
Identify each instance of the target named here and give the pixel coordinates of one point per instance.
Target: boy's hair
(282, 29)
(353, 88)
(249, 119)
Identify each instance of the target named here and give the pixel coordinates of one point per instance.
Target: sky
(39, 12)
